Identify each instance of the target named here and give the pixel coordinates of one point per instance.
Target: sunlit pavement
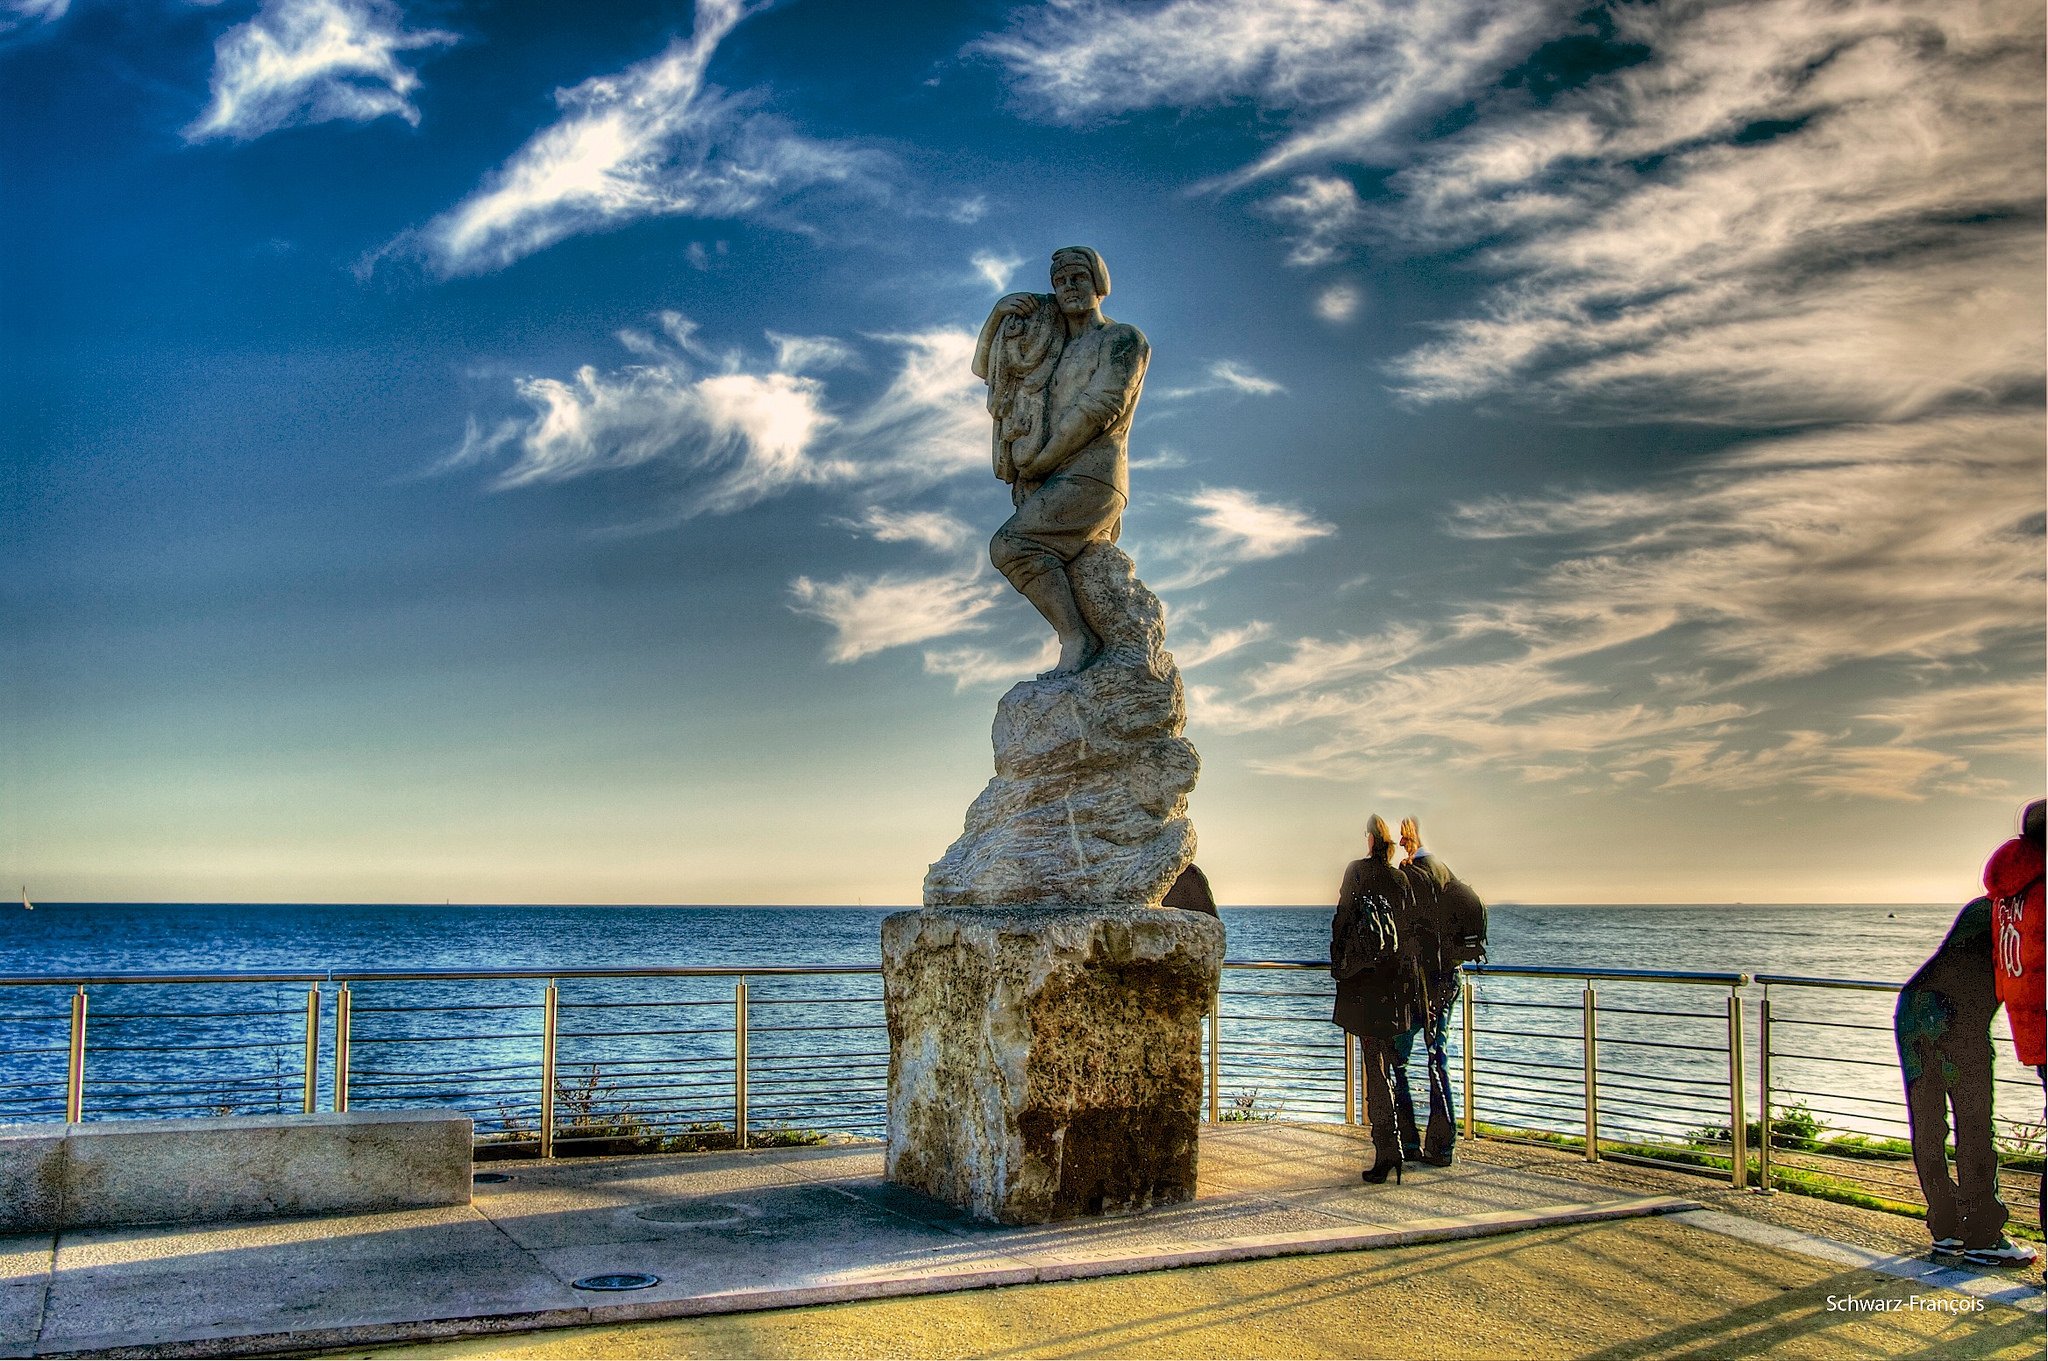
(806, 1252)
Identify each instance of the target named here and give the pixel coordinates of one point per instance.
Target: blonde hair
(1411, 831)
(1382, 837)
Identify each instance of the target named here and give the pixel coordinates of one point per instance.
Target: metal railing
(1619, 1063)
(1812, 1031)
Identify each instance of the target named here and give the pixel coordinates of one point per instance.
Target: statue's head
(1080, 281)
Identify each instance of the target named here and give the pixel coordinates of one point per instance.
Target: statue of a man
(1063, 383)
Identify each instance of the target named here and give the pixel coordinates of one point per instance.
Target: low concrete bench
(112, 1172)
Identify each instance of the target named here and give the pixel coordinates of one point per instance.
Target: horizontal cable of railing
(1688, 1078)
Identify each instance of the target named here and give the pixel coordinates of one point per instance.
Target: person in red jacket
(2019, 953)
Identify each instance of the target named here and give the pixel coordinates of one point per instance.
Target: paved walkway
(808, 1252)
(1617, 1290)
(723, 1233)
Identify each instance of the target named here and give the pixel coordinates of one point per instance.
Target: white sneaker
(1948, 1247)
(2005, 1254)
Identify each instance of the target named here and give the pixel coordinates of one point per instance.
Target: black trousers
(1378, 1062)
(1951, 1073)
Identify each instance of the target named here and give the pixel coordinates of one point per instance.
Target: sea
(663, 1047)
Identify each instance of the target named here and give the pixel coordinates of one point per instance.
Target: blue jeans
(1442, 1130)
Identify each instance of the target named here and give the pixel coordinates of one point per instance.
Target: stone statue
(1045, 1036)
(1063, 383)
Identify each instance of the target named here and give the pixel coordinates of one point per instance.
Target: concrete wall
(111, 1172)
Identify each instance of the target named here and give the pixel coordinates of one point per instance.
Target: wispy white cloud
(931, 422)
(308, 61)
(728, 430)
(933, 529)
(870, 614)
(1875, 254)
(1207, 647)
(997, 269)
(2007, 716)
(1348, 76)
(812, 354)
(652, 140)
(970, 667)
(730, 435)
(1314, 664)
(20, 15)
(1792, 556)
(1225, 375)
(1233, 526)
(1895, 571)
(1326, 215)
(1339, 302)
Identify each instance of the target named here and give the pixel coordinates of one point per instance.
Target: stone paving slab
(723, 1232)
(1920, 1268)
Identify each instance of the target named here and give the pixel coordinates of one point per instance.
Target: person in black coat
(1382, 1003)
(1428, 877)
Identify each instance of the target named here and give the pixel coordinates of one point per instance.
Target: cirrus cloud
(1893, 571)
(311, 61)
(868, 614)
(652, 140)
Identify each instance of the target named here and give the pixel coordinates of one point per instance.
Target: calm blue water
(60, 938)
(817, 1055)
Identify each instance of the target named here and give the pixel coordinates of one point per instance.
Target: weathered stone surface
(1089, 799)
(1045, 1063)
(31, 1176)
(112, 1172)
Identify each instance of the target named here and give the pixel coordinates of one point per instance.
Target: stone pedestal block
(1046, 1062)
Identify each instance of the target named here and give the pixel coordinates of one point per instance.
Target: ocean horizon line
(891, 907)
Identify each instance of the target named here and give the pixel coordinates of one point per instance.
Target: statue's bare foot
(1077, 653)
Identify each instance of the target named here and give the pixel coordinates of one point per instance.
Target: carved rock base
(1090, 796)
(1046, 1062)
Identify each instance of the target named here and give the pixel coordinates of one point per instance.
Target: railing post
(1471, 986)
(1763, 1093)
(1738, 1118)
(1215, 1067)
(312, 1096)
(74, 1074)
(1590, 1028)
(341, 1050)
(739, 1063)
(1350, 1078)
(547, 1071)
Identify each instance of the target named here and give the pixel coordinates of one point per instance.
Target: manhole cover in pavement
(699, 1215)
(618, 1280)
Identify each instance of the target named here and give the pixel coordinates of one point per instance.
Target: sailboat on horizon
(26, 905)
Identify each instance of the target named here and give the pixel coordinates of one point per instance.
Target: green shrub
(1245, 1105)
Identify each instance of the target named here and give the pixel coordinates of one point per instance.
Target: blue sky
(527, 452)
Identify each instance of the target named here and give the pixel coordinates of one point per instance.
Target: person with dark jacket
(1943, 1028)
(1427, 876)
(1380, 1003)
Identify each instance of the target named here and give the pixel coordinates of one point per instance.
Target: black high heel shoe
(1376, 1175)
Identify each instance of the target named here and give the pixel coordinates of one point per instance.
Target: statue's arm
(1015, 305)
(1109, 394)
